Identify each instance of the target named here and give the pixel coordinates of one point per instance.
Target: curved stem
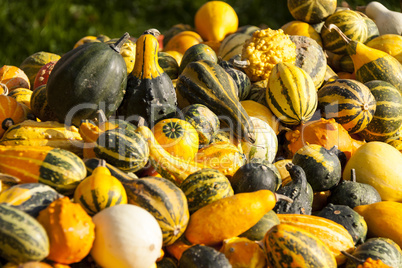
(119, 43)
(280, 197)
(334, 27)
(5, 89)
(350, 256)
(240, 63)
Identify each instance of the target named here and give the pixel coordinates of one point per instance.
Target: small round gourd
(99, 191)
(126, 236)
(311, 11)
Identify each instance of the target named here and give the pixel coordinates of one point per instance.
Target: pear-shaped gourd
(372, 64)
(387, 21)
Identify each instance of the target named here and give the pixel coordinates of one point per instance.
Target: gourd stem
(333, 150)
(8, 122)
(334, 27)
(353, 175)
(119, 43)
(152, 31)
(240, 63)
(102, 163)
(350, 256)
(280, 197)
(5, 89)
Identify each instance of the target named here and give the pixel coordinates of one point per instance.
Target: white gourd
(126, 236)
(387, 21)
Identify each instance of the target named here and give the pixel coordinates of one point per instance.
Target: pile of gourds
(209, 146)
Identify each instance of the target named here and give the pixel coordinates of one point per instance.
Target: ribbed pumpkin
(291, 94)
(204, 187)
(58, 168)
(178, 137)
(12, 77)
(12, 112)
(288, 246)
(349, 22)
(387, 118)
(32, 64)
(58, 219)
(39, 106)
(99, 191)
(311, 11)
(350, 102)
(164, 200)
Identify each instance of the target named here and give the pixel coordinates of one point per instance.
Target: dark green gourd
(86, 79)
(150, 95)
(299, 190)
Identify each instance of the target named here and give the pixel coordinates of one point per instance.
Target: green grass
(29, 26)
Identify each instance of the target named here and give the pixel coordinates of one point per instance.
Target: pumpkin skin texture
(290, 246)
(374, 215)
(215, 19)
(378, 164)
(126, 236)
(58, 218)
(79, 86)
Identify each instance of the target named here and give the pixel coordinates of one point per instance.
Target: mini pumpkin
(12, 77)
(11, 112)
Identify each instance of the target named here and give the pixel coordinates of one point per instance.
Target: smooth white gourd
(387, 21)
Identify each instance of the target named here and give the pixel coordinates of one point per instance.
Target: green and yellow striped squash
(169, 64)
(58, 168)
(390, 43)
(349, 102)
(164, 200)
(232, 45)
(205, 122)
(122, 148)
(32, 64)
(258, 92)
(290, 246)
(372, 29)
(351, 23)
(387, 118)
(29, 197)
(39, 106)
(22, 237)
(241, 79)
(259, 229)
(334, 235)
(92, 163)
(291, 94)
(204, 187)
(205, 82)
(100, 190)
(311, 11)
(197, 52)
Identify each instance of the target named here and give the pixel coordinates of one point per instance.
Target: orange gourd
(182, 41)
(12, 77)
(70, 230)
(242, 252)
(11, 112)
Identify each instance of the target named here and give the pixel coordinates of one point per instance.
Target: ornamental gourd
(86, 79)
(311, 11)
(12, 77)
(12, 112)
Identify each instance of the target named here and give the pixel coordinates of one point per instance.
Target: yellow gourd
(255, 109)
(384, 219)
(301, 28)
(390, 43)
(215, 19)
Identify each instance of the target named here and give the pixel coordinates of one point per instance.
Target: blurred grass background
(29, 26)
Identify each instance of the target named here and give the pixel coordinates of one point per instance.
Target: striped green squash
(351, 23)
(22, 237)
(311, 58)
(205, 82)
(311, 11)
(58, 168)
(372, 29)
(349, 102)
(164, 200)
(387, 118)
(247, 29)
(205, 122)
(257, 232)
(169, 64)
(124, 149)
(197, 52)
(232, 45)
(241, 79)
(291, 94)
(204, 187)
(290, 246)
(29, 197)
(258, 92)
(322, 167)
(32, 64)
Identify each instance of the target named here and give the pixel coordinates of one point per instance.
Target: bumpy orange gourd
(70, 230)
(12, 77)
(215, 19)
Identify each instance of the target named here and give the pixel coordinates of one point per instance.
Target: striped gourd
(390, 43)
(197, 52)
(164, 200)
(387, 118)
(334, 235)
(48, 133)
(290, 246)
(22, 95)
(349, 102)
(32, 64)
(39, 105)
(241, 79)
(310, 57)
(22, 237)
(232, 45)
(204, 187)
(169, 64)
(29, 197)
(259, 229)
(58, 168)
(258, 92)
(207, 83)
(351, 23)
(124, 149)
(291, 94)
(92, 163)
(311, 11)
